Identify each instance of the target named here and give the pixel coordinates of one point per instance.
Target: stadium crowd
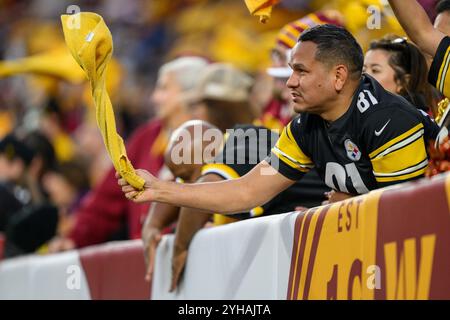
(327, 107)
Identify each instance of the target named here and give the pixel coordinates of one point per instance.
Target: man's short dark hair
(442, 6)
(335, 45)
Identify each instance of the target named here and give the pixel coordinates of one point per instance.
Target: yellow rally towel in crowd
(57, 63)
(261, 8)
(90, 43)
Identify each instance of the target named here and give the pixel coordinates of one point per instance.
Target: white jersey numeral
(340, 173)
(363, 104)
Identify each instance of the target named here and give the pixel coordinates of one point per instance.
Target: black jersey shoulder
(438, 74)
(302, 130)
(393, 115)
(246, 146)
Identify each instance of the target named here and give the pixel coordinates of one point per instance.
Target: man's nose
(292, 81)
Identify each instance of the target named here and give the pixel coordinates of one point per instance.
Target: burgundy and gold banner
(389, 244)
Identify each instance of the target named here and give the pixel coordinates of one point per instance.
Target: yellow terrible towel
(57, 63)
(261, 8)
(91, 46)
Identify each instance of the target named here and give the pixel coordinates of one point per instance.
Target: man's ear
(341, 76)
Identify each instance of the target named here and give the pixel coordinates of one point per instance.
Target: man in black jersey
(357, 135)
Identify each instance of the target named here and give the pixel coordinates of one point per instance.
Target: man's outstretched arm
(417, 25)
(257, 187)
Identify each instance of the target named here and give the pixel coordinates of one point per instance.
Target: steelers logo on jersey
(353, 152)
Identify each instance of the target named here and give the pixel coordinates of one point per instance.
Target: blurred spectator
(66, 185)
(90, 147)
(400, 67)
(26, 217)
(440, 153)
(221, 96)
(45, 157)
(436, 44)
(30, 228)
(15, 159)
(51, 124)
(442, 21)
(430, 40)
(102, 213)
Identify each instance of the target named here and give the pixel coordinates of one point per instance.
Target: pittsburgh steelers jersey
(380, 140)
(439, 75)
(245, 147)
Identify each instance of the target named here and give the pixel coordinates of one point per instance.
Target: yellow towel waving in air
(90, 43)
(261, 8)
